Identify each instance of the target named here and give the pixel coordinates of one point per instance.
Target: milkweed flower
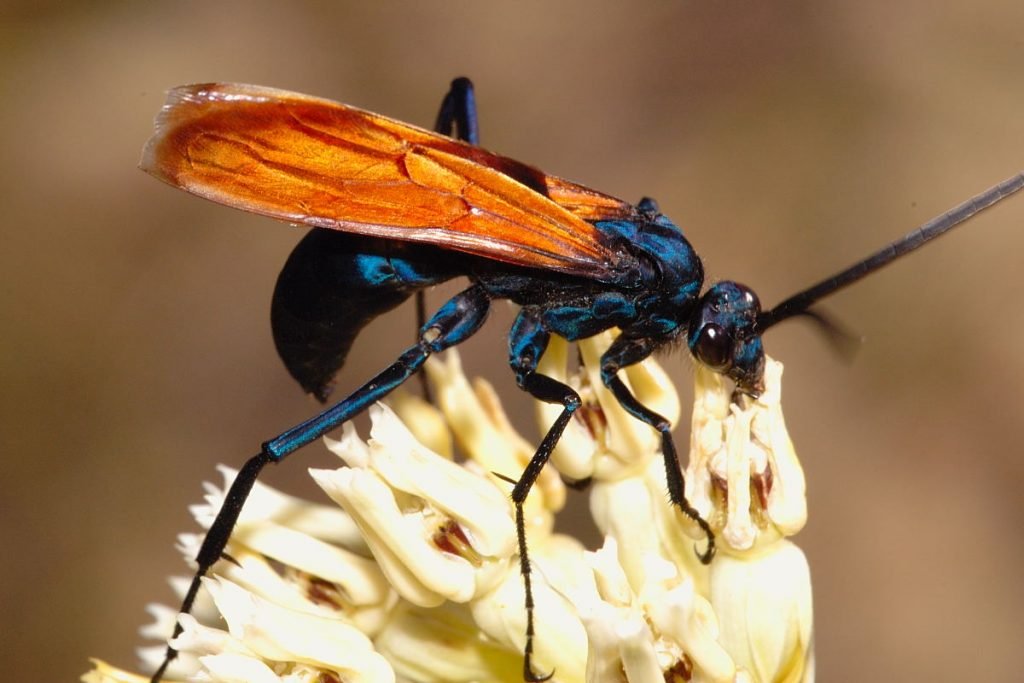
(414, 574)
(744, 477)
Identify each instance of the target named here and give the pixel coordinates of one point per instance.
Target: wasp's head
(723, 335)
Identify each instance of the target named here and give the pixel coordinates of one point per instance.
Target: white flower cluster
(416, 576)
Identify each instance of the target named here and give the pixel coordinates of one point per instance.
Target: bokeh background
(789, 139)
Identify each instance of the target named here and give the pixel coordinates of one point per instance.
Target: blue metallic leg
(527, 342)
(458, 113)
(626, 351)
(457, 320)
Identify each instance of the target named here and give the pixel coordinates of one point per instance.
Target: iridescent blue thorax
(671, 273)
(660, 281)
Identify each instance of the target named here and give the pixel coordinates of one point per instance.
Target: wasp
(396, 209)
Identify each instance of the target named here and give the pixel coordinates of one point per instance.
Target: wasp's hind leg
(455, 322)
(457, 116)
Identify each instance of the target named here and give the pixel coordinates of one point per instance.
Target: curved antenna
(799, 303)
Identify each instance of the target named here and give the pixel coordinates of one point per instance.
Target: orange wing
(588, 204)
(307, 160)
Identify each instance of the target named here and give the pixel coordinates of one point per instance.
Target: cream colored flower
(744, 476)
(561, 642)
(417, 576)
(763, 603)
(438, 531)
(661, 630)
(604, 441)
(445, 644)
(274, 643)
(105, 673)
(325, 522)
(489, 441)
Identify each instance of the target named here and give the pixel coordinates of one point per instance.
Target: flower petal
(420, 572)
(488, 438)
(233, 668)
(763, 603)
(561, 641)
(445, 644)
(265, 503)
(614, 443)
(279, 634)
(361, 578)
(744, 476)
(105, 673)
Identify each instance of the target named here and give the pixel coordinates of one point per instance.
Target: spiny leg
(455, 322)
(527, 342)
(626, 351)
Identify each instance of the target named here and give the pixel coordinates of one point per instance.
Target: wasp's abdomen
(332, 286)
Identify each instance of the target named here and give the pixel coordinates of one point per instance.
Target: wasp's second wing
(590, 205)
(306, 160)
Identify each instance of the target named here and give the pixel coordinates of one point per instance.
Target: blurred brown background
(788, 140)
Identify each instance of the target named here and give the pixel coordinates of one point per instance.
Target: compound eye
(714, 347)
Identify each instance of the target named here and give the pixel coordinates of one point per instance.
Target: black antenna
(800, 302)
